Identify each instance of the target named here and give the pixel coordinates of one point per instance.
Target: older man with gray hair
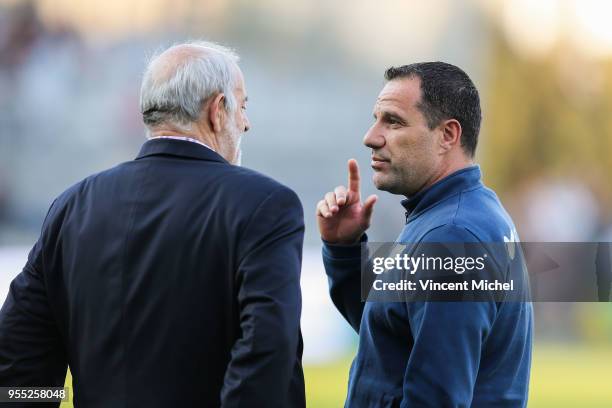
(172, 279)
(180, 80)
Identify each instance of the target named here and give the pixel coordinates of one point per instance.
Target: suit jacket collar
(178, 148)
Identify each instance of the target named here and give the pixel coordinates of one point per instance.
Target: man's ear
(451, 134)
(216, 112)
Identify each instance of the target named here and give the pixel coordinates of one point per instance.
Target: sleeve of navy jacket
(342, 265)
(31, 352)
(269, 299)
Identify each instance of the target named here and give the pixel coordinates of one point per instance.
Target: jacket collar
(453, 184)
(179, 148)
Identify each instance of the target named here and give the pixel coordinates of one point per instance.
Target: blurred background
(70, 73)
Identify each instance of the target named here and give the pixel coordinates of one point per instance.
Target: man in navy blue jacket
(417, 353)
(172, 279)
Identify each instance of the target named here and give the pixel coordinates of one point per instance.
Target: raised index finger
(353, 181)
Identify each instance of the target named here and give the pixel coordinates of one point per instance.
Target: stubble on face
(234, 139)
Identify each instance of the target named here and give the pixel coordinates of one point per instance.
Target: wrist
(347, 242)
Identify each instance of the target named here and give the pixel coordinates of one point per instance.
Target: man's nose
(374, 138)
(247, 124)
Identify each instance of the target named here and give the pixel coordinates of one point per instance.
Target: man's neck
(171, 132)
(445, 172)
(455, 167)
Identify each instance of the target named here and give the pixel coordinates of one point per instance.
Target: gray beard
(235, 136)
(238, 154)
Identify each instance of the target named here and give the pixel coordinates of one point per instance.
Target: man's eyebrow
(392, 115)
(389, 115)
(246, 98)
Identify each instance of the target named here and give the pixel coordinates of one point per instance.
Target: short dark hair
(446, 93)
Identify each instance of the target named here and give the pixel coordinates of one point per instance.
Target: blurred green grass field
(563, 376)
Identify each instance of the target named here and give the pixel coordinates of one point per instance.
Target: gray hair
(173, 93)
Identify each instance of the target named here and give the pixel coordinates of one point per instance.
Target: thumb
(368, 206)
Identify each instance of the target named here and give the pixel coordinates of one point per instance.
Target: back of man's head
(179, 80)
(447, 92)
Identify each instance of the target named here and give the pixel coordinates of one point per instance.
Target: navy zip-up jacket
(437, 354)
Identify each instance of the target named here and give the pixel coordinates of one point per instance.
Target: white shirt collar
(184, 138)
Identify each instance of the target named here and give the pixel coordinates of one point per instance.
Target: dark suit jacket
(169, 280)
